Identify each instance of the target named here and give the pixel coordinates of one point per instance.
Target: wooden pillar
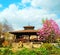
(29, 38)
(37, 37)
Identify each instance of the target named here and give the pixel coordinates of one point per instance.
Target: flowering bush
(49, 31)
(5, 43)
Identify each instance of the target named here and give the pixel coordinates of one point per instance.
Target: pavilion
(27, 32)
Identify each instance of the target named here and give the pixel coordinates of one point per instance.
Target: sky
(21, 13)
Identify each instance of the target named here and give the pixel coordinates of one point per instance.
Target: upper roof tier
(28, 27)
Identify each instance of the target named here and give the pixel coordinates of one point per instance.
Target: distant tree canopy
(5, 27)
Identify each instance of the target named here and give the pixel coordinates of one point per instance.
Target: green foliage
(26, 51)
(43, 20)
(48, 46)
(45, 49)
(42, 51)
(51, 48)
(6, 51)
(38, 51)
(58, 40)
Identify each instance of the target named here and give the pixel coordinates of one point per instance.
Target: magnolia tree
(49, 32)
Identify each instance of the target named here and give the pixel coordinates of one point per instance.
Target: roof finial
(28, 23)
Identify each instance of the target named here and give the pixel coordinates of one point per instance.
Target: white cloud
(51, 5)
(26, 1)
(0, 5)
(18, 18)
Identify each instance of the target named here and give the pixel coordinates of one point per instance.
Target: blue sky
(20, 13)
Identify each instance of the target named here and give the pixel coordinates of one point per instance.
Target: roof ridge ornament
(29, 24)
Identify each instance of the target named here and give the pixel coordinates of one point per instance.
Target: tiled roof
(24, 31)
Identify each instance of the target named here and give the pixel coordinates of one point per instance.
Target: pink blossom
(49, 28)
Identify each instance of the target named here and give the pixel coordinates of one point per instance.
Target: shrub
(5, 43)
(6, 51)
(48, 46)
(26, 51)
(42, 51)
(51, 48)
